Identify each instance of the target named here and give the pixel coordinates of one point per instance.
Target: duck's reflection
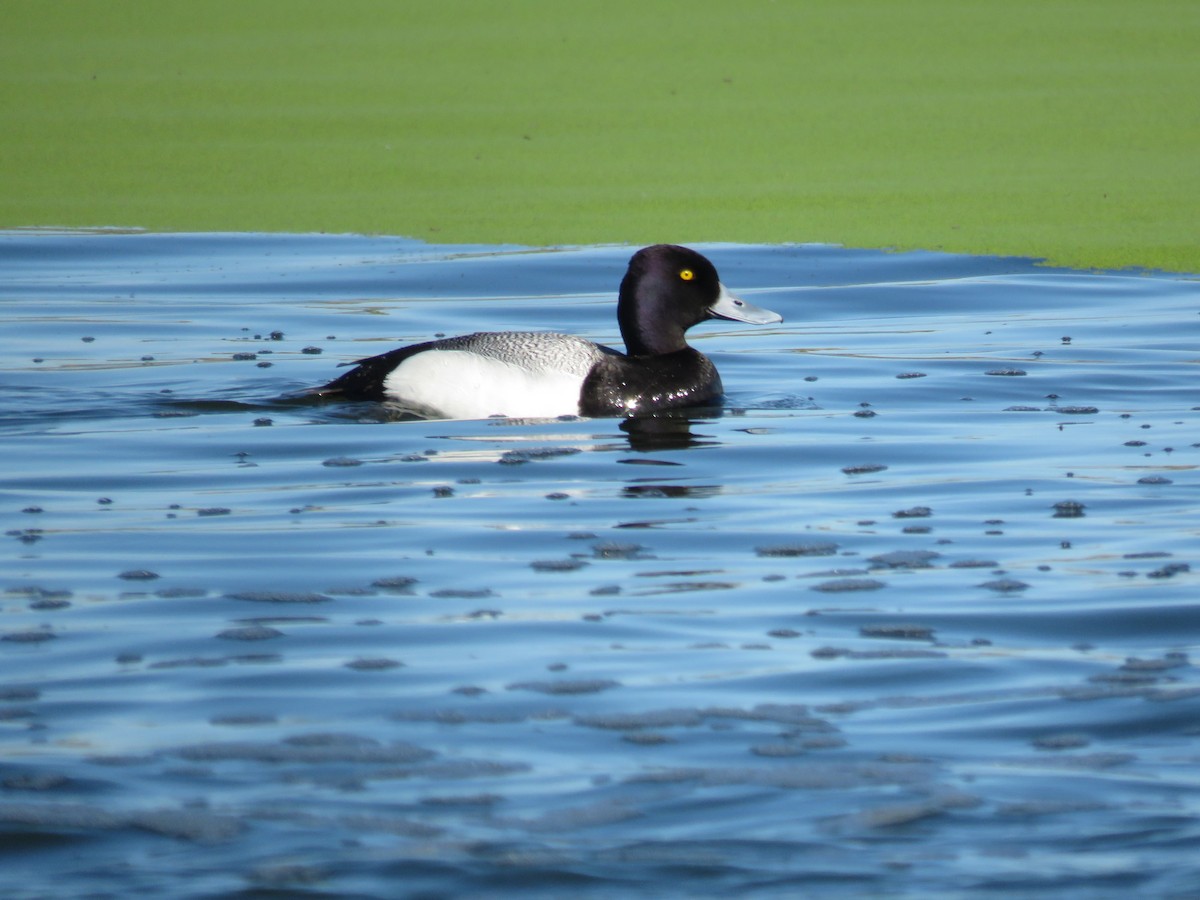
(667, 431)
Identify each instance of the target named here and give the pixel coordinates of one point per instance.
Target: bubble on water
(777, 751)
(566, 686)
(904, 631)
(1005, 585)
(1064, 741)
(647, 738)
(374, 664)
(1174, 660)
(814, 548)
(461, 593)
(866, 469)
(279, 596)
(395, 584)
(484, 614)
(33, 636)
(250, 633)
(180, 593)
(894, 815)
(619, 550)
(318, 748)
(847, 585)
(342, 462)
(1068, 509)
(191, 662)
(138, 575)
(49, 603)
(905, 559)
(557, 565)
(19, 694)
(1169, 570)
(659, 718)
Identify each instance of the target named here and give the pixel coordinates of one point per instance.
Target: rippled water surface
(915, 614)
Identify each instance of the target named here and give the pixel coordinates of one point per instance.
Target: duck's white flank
(459, 384)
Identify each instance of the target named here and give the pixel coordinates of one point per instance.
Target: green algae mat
(1063, 130)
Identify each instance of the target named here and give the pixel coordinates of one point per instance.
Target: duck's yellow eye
(687, 274)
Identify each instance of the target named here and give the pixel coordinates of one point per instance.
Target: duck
(531, 374)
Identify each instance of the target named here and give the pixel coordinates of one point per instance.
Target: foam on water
(915, 613)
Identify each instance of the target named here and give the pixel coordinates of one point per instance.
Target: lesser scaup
(666, 290)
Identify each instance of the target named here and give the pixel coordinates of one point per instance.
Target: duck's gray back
(537, 351)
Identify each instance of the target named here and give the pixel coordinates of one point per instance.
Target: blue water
(914, 616)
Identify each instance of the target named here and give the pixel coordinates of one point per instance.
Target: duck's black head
(666, 291)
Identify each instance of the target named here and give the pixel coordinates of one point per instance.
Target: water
(888, 625)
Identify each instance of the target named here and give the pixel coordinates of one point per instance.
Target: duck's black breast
(620, 385)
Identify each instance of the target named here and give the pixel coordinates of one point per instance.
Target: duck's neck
(647, 328)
